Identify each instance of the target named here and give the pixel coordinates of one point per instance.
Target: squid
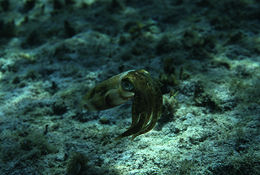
(137, 85)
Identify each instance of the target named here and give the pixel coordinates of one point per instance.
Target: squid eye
(127, 85)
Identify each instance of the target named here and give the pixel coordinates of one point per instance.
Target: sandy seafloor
(205, 53)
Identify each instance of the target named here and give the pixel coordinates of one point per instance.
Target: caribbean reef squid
(133, 84)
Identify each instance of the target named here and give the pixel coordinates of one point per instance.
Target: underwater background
(204, 53)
